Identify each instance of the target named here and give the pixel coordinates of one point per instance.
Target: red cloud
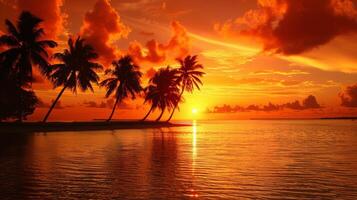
(291, 26)
(178, 46)
(49, 11)
(349, 97)
(101, 27)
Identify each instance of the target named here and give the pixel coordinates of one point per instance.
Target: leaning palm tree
(124, 80)
(189, 77)
(24, 48)
(77, 69)
(162, 92)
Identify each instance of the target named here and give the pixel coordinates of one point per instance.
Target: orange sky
(254, 53)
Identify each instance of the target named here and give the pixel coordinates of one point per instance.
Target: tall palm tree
(124, 80)
(189, 77)
(24, 48)
(77, 69)
(162, 92)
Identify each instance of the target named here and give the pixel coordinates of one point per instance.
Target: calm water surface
(210, 160)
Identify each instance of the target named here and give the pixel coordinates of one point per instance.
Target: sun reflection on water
(194, 139)
(193, 193)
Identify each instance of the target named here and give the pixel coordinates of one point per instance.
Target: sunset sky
(262, 58)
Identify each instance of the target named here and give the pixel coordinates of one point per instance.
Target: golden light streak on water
(194, 141)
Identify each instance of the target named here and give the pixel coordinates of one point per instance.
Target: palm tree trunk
(20, 117)
(54, 103)
(111, 114)
(162, 112)
(173, 111)
(146, 116)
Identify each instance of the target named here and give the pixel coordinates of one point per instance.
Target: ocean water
(249, 159)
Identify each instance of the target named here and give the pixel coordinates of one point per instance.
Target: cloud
(310, 103)
(108, 104)
(146, 33)
(101, 27)
(349, 97)
(92, 104)
(153, 9)
(178, 46)
(42, 104)
(279, 72)
(49, 11)
(225, 57)
(307, 104)
(292, 27)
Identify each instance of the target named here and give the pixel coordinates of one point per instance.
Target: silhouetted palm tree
(124, 80)
(76, 70)
(163, 91)
(25, 49)
(189, 76)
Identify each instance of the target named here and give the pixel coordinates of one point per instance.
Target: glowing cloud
(102, 27)
(178, 46)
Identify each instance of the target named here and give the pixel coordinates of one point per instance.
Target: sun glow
(194, 111)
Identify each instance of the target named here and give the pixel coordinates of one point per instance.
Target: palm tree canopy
(24, 48)
(124, 79)
(189, 73)
(77, 67)
(163, 91)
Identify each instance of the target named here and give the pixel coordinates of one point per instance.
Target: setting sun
(194, 110)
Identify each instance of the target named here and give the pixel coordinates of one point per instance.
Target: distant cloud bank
(309, 102)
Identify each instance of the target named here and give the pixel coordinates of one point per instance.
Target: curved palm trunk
(162, 112)
(54, 103)
(147, 115)
(20, 116)
(173, 111)
(115, 105)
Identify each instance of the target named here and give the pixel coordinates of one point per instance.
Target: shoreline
(11, 127)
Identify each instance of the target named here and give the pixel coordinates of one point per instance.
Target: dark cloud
(42, 104)
(108, 104)
(291, 26)
(349, 97)
(308, 103)
(93, 104)
(294, 105)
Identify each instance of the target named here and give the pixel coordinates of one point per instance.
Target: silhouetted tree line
(77, 67)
